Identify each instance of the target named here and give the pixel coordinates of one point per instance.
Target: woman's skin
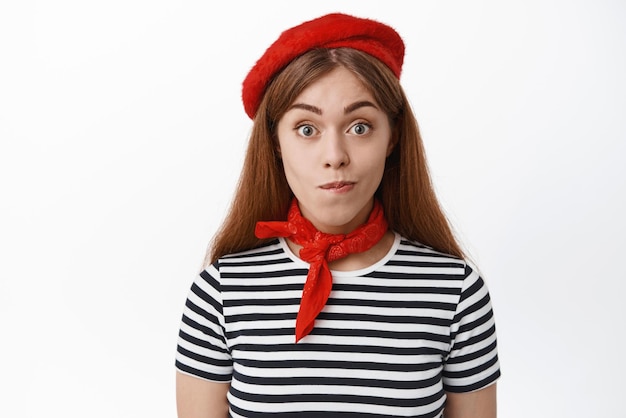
(199, 398)
(478, 404)
(333, 142)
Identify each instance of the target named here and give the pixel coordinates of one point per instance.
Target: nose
(335, 150)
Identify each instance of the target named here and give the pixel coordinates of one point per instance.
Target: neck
(343, 229)
(356, 261)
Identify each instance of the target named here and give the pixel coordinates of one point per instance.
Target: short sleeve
(202, 349)
(472, 363)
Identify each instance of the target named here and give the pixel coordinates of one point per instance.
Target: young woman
(335, 287)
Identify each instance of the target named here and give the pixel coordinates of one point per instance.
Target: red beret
(334, 30)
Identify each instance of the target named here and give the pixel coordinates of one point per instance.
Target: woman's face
(333, 141)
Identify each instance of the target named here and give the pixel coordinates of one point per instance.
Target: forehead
(339, 86)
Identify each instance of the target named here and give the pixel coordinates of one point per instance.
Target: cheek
(377, 164)
(293, 155)
(294, 166)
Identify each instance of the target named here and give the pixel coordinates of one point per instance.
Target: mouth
(338, 186)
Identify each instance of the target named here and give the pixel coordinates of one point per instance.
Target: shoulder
(416, 260)
(413, 253)
(263, 254)
(268, 251)
(266, 261)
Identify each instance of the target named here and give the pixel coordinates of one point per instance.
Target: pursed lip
(338, 185)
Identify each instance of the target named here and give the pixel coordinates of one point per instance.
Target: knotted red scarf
(319, 249)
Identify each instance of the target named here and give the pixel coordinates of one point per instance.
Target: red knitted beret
(334, 30)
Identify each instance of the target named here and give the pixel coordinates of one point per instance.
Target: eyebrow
(307, 107)
(348, 109)
(358, 105)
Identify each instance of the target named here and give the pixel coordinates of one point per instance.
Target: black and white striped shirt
(392, 339)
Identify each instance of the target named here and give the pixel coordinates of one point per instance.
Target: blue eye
(360, 128)
(306, 130)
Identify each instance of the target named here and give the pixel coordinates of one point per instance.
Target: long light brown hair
(406, 192)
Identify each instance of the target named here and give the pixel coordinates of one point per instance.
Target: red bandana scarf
(319, 249)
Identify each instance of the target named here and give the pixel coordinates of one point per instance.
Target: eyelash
(367, 125)
(304, 125)
(308, 125)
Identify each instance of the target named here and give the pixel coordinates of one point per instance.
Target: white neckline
(346, 273)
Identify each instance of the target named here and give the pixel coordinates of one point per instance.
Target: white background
(121, 139)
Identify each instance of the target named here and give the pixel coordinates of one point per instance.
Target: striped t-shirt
(391, 340)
